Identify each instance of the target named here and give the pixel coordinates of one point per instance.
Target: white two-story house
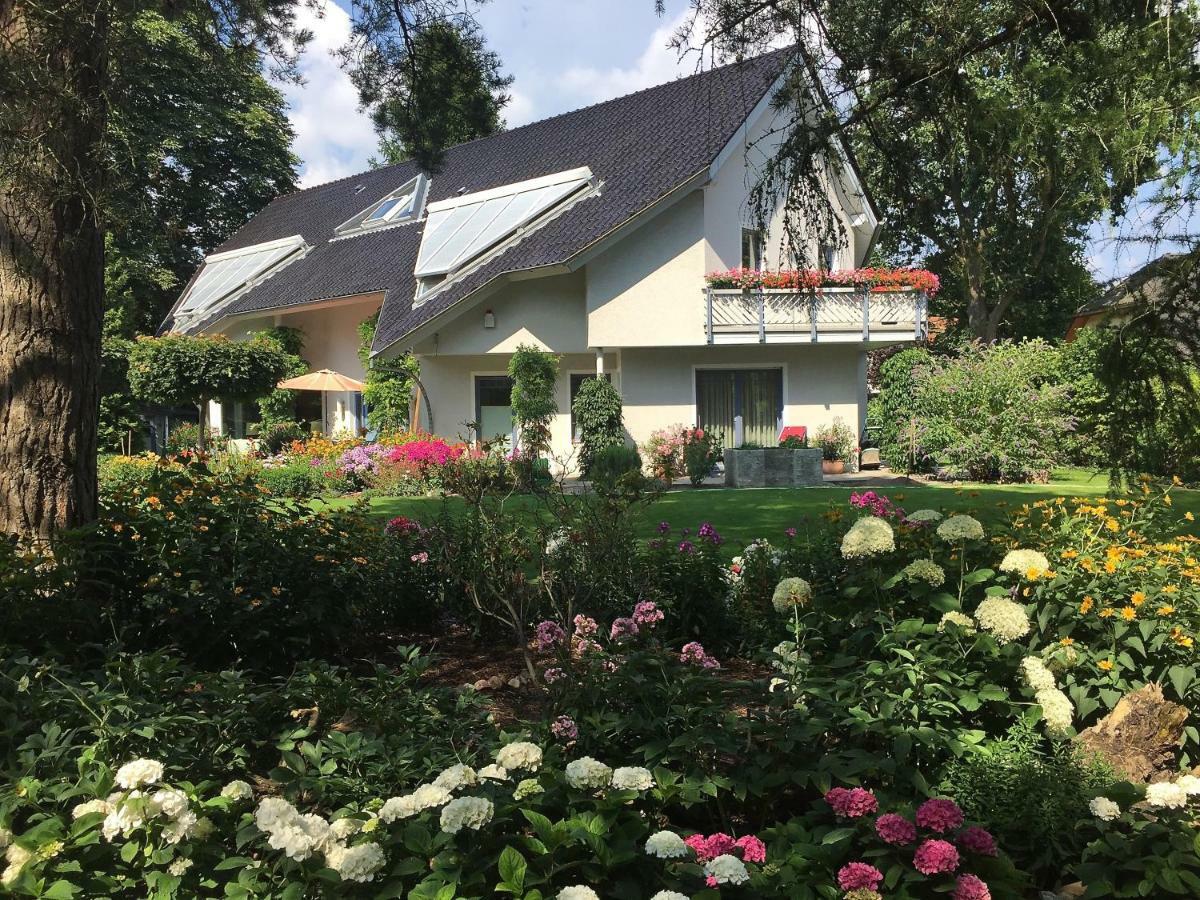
(588, 234)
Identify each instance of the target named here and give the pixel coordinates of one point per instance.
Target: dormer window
(400, 206)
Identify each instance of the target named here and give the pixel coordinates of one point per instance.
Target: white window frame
(362, 222)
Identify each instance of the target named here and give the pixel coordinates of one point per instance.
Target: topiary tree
(181, 369)
(900, 443)
(533, 373)
(597, 409)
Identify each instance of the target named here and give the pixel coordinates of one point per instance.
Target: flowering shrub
(681, 449)
(879, 279)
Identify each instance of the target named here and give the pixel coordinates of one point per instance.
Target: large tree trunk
(51, 263)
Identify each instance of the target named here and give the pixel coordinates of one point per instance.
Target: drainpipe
(599, 362)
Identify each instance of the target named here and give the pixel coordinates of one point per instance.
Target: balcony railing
(826, 315)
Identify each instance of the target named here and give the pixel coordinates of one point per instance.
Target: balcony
(819, 316)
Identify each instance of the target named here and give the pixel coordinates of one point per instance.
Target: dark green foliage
(597, 409)
(1029, 793)
(297, 478)
(613, 463)
(533, 374)
(276, 436)
(212, 566)
(278, 408)
(896, 412)
(389, 382)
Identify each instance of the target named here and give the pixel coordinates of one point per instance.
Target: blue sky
(563, 54)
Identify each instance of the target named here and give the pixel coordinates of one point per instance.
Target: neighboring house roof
(639, 148)
(1153, 284)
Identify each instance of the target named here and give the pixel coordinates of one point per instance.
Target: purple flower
(664, 527)
(585, 626)
(549, 634)
(554, 674)
(693, 654)
(708, 533)
(935, 857)
(687, 547)
(858, 876)
(977, 840)
(790, 532)
(564, 729)
(623, 629)
(647, 614)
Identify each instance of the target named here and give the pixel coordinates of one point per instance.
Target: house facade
(588, 235)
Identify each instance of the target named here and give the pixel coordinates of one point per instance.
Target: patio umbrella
(322, 380)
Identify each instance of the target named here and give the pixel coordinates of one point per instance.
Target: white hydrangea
(16, 856)
(171, 802)
(466, 812)
(300, 836)
(1165, 795)
(83, 809)
(394, 808)
(179, 866)
(529, 787)
(1037, 676)
(1105, 809)
(139, 772)
(632, 778)
(670, 895)
(127, 815)
(180, 828)
(341, 829)
(1018, 562)
(1004, 618)
(272, 811)
(586, 772)
(493, 772)
(960, 528)
(1057, 711)
(455, 777)
(1190, 784)
(954, 617)
(358, 863)
(869, 536)
(791, 593)
(924, 570)
(578, 892)
(666, 845)
(519, 756)
(427, 796)
(923, 516)
(237, 790)
(726, 869)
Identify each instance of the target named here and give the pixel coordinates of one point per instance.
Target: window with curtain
(756, 395)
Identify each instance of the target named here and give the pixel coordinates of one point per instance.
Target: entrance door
(756, 395)
(493, 408)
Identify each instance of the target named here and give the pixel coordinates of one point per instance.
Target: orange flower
(1105, 664)
(1128, 613)
(1069, 554)
(1166, 610)
(1086, 606)
(1067, 642)
(1107, 613)
(1138, 598)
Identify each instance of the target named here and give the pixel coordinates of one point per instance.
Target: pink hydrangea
(977, 840)
(939, 815)
(895, 829)
(857, 875)
(853, 803)
(647, 614)
(585, 626)
(708, 848)
(549, 634)
(564, 728)
(753, 850)
(971, 887)
(934, 857)
(623, 629)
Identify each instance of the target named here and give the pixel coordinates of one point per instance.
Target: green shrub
(533, 372)
(897, 410)
(597, 409)
(613, 462)
(296, 478)
(836, 441)
(275, 436)
(129, 473)
(184, 437)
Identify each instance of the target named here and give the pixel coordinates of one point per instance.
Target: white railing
(828, 314)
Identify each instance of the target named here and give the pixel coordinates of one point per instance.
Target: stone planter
(772, 467)
(833, 466)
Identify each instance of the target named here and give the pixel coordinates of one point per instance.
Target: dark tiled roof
(640, 146)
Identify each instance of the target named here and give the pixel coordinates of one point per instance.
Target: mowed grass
(744, 514)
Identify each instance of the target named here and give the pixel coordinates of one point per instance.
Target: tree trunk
(51, 264)
(979, 316)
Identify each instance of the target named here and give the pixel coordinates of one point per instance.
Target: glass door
(753, 395)
(493, 409)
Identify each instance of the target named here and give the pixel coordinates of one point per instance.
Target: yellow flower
(1188, 515)
(1167, 499)
(1067, 642)
(1107, 613)
(1170, 589)
(1105, 664)
(361, 560)
(153, 501)
(276, 591)
(237, 590)
(1086, 606)
(1069, 554)
(1138, 598)
(1166, 610)
(1176, 480)
(1128, 613)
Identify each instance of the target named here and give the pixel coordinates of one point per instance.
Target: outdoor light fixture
(489, 319)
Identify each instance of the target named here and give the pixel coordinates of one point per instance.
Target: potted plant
(835, 441)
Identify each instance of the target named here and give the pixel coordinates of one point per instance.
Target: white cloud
(333, 137)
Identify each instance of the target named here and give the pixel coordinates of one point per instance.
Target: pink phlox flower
(549, 634)
(935, 857)
(858, 875)
(585, 626)
(623, 629)
(647, 613)
(895, 829)
(940, 815)
(564, 728)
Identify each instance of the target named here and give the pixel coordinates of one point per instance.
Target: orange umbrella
(322, 380)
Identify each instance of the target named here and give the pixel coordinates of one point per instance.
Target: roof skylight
(228, 274)
(401, 205)
(461, 228)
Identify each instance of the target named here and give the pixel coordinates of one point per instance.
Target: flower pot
(832, 467)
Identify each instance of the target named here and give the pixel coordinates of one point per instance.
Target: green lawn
(742, 515)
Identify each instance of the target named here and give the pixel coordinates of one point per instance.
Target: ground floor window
(493, 408)
(577, 380)
(237, 418)
(743, 406)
